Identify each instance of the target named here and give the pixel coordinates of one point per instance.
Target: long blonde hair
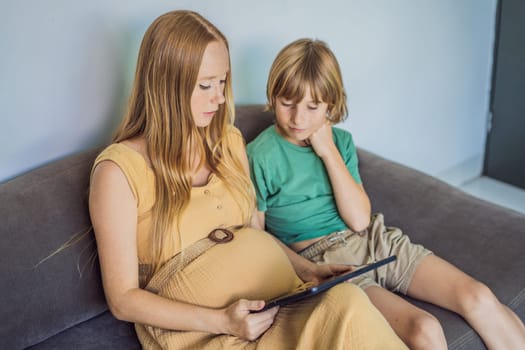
(308, 63)
(159, 110)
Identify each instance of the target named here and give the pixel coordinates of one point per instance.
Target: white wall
(417, 72)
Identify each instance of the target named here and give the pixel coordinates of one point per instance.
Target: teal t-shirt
(293, 187)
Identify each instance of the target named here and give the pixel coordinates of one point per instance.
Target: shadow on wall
(250, 68)
(77, 94)
(125, 48)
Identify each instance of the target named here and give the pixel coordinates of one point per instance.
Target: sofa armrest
(482, 239)
(40, 211)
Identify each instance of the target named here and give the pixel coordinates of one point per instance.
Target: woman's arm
(113, 213)
(351, 199)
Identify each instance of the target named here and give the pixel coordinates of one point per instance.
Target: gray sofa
(59, 304)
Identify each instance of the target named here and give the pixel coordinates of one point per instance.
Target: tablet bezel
(325, 285)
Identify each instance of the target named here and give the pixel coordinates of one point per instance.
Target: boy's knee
(425, 332)
(477, 297)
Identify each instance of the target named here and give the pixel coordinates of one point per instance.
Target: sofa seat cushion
(101, 332)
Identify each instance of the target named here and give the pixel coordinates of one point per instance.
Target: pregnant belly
(251, 266)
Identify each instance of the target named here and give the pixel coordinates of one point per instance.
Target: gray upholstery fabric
(251, 120)
(482, 239)
(53, 306)
(40, 211)
(99, 333)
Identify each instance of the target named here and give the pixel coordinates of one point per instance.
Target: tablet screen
(325, 285)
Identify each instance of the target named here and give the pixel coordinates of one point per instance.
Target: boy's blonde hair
(308, 63)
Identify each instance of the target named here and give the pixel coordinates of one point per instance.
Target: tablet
(326, 284)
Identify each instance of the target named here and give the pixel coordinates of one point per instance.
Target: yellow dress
(251, 266)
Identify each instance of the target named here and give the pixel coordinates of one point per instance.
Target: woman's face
(296, 122)
(208, 93)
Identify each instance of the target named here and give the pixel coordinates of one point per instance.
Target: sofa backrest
(252, 119)
(39, 212)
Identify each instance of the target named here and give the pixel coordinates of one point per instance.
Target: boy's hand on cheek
(322, 140)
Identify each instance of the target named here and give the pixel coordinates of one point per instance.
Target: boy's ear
(329, 115)
(270, 105)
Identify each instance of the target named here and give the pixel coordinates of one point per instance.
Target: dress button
(206, 192)
(219, 206)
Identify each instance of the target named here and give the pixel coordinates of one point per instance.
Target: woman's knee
(425, 332)
(348, 295)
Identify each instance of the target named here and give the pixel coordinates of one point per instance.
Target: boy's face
(296, 122)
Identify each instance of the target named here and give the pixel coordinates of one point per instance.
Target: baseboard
(463, 172)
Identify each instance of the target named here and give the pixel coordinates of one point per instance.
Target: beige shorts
(375, 243)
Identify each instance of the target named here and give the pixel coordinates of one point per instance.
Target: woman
(176, 174)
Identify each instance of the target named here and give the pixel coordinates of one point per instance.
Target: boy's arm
(304, 268)
(260, 215)
(351, 199)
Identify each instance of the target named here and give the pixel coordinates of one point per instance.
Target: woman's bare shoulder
(138, 144)
(107, 173)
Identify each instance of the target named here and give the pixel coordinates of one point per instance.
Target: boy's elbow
(360, 224)
(359, 228)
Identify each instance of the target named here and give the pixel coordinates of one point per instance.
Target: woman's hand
(242, 323)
